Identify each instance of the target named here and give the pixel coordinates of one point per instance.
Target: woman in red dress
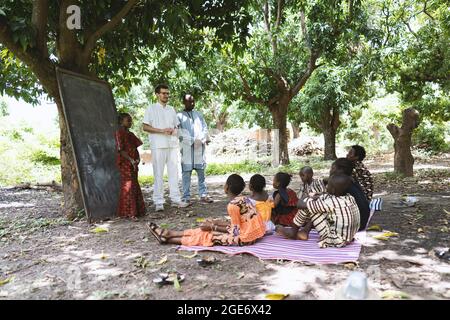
(131, 201)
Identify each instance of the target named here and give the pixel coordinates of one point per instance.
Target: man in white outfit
(160, 121)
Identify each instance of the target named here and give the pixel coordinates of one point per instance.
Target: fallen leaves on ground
(176, 283)
(386, 235)
(5, 281)
(162, 260)
(375, 227)
(189, 256)
(394, 294)
(276, 296)
(99, 230)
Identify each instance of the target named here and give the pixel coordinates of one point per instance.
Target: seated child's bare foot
(290, 233)
(302, 235)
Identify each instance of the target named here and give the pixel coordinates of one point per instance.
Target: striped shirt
(316, 186)
(336, 219)
(364, 178)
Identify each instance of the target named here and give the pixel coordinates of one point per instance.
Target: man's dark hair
(345, 165)
(161, 86)
(360, 152)
(283, 178)
(235, 183)
(257, 182)
(122, 116)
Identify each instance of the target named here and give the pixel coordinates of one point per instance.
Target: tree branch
(110, 25)
(394, 130)
(425, 10)
(42, 68)
(279, 13)
(304, 30)
(311, 67)
(267, 15)
(248, 93)
(269, 31)
(39, 19)
(282, 83)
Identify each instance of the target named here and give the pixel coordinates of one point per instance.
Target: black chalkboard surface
(91, 117)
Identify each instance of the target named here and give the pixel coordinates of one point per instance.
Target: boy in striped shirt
(334, 215)
(309, 186)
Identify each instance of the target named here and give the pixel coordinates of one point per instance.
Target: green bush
(432, 137)
(41, 156)
(242, 167)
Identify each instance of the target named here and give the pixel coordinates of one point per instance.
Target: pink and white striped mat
(276, 247)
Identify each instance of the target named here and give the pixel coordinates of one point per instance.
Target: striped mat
(275, 247)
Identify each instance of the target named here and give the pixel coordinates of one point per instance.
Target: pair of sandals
(157, 235)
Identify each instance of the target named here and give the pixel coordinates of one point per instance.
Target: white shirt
(161, 117)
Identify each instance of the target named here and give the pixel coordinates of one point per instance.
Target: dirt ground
(45, 257)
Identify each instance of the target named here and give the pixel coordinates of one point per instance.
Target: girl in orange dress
(131, 201)
(245, 228)
(263, 202)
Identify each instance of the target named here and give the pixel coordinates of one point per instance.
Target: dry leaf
(99, 230)
(176, 283)
(386, 235)
(162, 261)
(189, 256)
(420, 230)
(5, 281)
(350, 265)
(276, 296)
(375, 227)
(394, 294)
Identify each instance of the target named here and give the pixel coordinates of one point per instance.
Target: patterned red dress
(131, 201)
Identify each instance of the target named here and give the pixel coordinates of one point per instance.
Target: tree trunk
(330, 124)
(279, 115)
(329, 135)
(295, 131)
(73, 202)
(403, 159)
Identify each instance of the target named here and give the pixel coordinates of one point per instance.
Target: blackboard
(91, 117)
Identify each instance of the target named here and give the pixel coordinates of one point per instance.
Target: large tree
(289, 41)
(332, 91)
(112, 44)
(417, 65)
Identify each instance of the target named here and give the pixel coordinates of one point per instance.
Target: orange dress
(245, 228)
(264, 208)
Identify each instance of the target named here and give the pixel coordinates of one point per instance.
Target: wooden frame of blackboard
(58, 77)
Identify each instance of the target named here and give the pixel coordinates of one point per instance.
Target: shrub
(431, 137)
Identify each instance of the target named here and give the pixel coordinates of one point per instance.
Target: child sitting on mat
(309, 185)
(334, 215)
(263, 203)
(285, 200)
(245, 228)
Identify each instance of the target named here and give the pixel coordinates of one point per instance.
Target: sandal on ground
(206, 199)
(168, 278)
(158, 236)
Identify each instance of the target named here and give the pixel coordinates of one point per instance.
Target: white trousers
(161, 158)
